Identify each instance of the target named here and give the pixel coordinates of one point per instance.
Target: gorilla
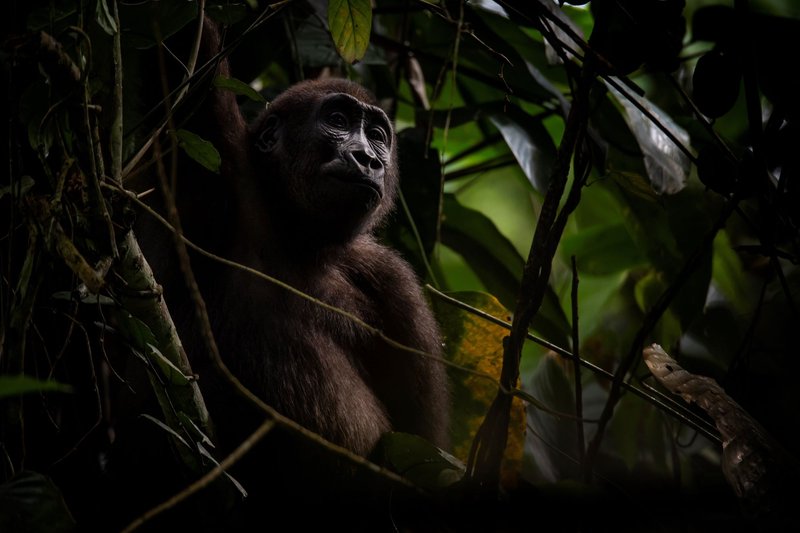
(302, 191)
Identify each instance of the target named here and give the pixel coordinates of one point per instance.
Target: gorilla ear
(268, 137)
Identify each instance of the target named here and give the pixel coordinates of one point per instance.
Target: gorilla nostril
(366, 160)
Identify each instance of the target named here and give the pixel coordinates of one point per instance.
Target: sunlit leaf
(647, 291)
(350, 22)
(493, 257)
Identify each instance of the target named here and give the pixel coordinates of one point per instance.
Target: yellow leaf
(473, 342)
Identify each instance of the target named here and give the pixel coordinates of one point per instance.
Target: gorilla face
(335, 158)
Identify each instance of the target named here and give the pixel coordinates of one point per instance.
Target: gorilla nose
(366, 160)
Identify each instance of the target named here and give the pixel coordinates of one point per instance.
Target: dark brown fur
(313, 365)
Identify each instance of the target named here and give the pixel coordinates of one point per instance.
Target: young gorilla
(308, 182)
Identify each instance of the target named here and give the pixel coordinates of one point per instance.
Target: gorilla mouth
(361, 181)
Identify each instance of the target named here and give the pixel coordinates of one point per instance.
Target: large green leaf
(525, 54)
(498, 264)
(667, 165)
(553, 446)
(350, 23)
(494, 259)
(602, 249)
(529, 141)
(30, 502)
(414, 232)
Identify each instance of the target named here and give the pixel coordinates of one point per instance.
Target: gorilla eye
(337, 120)
(377, 135)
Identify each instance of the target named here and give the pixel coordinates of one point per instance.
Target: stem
(486, 455)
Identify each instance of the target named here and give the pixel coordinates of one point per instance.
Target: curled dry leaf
(761, 472)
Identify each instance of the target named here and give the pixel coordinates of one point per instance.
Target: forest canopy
(579, 181)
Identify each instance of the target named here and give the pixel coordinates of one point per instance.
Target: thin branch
(115, 141)
(483, 468)
(182, 89)
(576, 358)
(658, 399)
(297, 292)
(423, 253)
(206, 480)
(648, 323)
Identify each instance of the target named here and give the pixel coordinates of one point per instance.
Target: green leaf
(350, 23)
(602, 249)
(22, 384)
(490, 254)
(134, 331)
(171, 372)
(729, 275)
(554, 446)
(32, 503)
(420, 461)
(192, 428)
(238, 87)
(25, 184)
(205, 453)
(420, 182)
(528, 140)
(498, 264)
(104, 18)
(178, 437)
(667, 165)
(92, 299)
(199, 149)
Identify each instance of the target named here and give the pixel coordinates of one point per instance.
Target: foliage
(651, 140)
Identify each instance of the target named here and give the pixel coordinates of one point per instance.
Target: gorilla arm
(413, 387)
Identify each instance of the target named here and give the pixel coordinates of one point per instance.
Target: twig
(115, 141)
(206, 480)
(423, 253)
(576, 358)
(182, 88)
